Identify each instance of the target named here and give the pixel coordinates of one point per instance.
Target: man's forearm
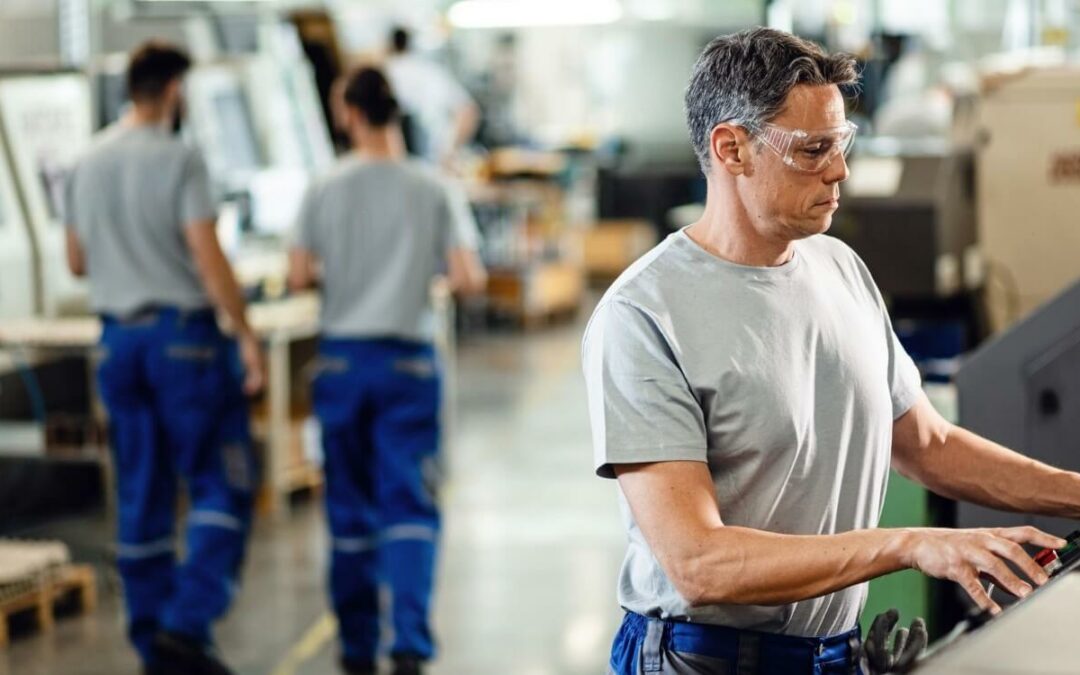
(225, 293)
(962, 465)
(216, 274)
(466, 122)
(740, 565)
(229, 299)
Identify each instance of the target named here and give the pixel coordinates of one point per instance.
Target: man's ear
(173, 91)
(729, 149)
(350, 118)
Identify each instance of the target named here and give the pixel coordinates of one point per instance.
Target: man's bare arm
(303, 270)
(76, 259)
(466, 122)
(220, 283)
(959, 464)
(466, 273)
(710, 563)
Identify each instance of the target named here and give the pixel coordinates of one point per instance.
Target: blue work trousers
(647, 646)
(378, 407)
(171, 384)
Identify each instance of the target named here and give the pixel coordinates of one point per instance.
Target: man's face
(783, 201)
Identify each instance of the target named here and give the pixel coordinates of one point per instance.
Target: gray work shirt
(784, 380)
(382, 231)
(129, 198)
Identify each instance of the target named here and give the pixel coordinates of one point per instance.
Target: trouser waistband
(724, 641)
(152, 314)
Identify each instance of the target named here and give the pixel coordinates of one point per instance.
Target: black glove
(906, 647)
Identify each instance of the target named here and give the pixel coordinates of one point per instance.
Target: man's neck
(726, 230)
(147, 115)
(385, 143)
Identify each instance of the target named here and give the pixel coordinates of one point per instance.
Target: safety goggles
(806, 151)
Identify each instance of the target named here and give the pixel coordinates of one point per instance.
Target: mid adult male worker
(748, 392)
(141, 227)
(373, 234)
(443, 116)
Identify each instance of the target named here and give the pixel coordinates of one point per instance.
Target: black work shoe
(408, 664)
(352, 667)
(176, 654)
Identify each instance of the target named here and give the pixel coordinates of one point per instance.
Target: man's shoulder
(409, 172)
(831, 251)
(104, 143)
(424, 175)
(345, 176)
(648, 277)
(119, 144)
(353, 181)
(647, 288)
(828, 246)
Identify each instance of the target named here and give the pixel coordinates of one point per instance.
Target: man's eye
(816, 149)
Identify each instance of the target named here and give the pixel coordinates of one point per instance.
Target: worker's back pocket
(420, 367)
(192, 374)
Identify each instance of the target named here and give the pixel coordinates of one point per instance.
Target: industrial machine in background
(908, 209)
(16, 253)
(260, 125)
(254, 110)
(46, 120)
(1022, 390)
(1028, 159)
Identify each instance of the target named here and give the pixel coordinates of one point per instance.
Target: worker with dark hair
(399, 40)
(141, 227)
(443, 116)
(373, 235)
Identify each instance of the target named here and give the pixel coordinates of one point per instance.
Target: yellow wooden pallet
(40, 594)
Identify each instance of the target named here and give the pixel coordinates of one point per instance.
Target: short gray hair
(744, 78)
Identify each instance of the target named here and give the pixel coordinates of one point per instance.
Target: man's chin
(814, 226)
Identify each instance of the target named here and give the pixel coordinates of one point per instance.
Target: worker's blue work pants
(378, 406)
(647, 646)
(171, 384)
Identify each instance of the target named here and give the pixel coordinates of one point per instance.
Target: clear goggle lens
(806, 151)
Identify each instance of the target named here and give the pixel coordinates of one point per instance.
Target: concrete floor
(531, 548)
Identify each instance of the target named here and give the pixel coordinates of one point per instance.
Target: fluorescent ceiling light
(521, 13)
(651, 10)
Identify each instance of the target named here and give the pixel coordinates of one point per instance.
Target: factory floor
(530, 553)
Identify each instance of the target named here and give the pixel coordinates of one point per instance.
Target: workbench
(280, 324)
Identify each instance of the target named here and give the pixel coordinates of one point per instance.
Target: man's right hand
(251, 355)
(965, 555)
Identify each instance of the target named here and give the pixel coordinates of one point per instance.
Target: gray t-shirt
(382, 230)
(784, 380)
(128, 199)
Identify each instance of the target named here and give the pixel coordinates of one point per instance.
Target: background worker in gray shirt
(748, 392)
(374, 234)
(142, 228)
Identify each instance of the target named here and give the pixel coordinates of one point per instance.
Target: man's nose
(837, 171)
